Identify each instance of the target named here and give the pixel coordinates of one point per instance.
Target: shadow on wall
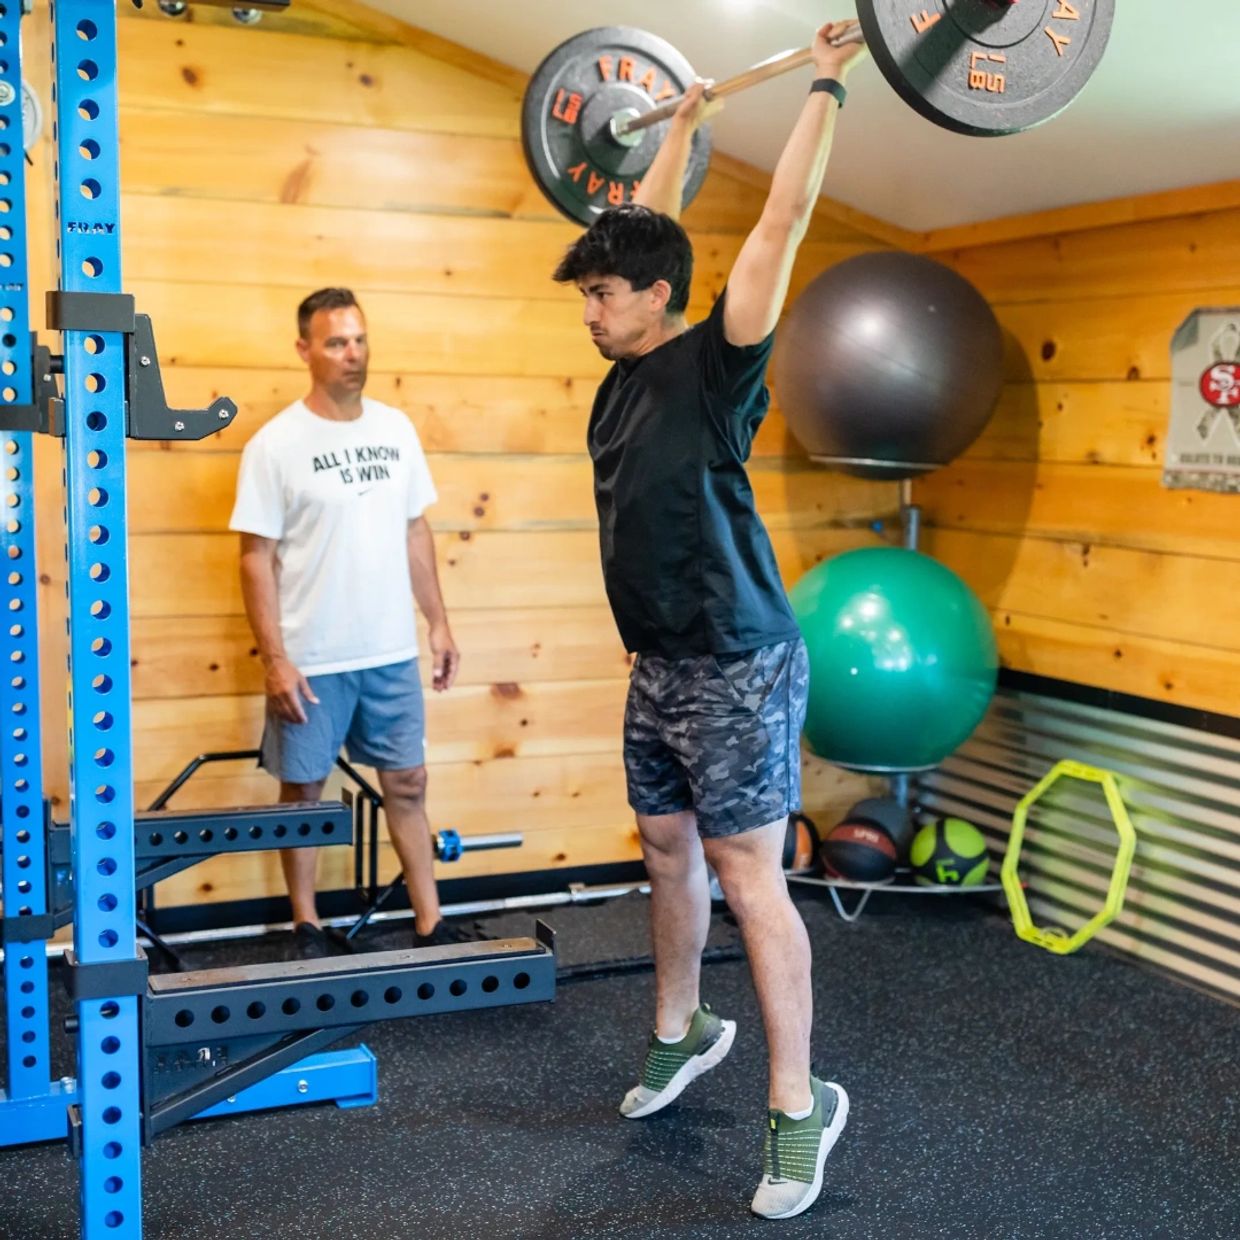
(987, 560)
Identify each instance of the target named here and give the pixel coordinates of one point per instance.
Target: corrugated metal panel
(1182, 789)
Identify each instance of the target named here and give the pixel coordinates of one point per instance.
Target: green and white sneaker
(795, 1150)
(669, 1067)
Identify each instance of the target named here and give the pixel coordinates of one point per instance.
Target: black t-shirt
(688, 565)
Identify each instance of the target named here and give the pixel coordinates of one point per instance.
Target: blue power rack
(269, 1023)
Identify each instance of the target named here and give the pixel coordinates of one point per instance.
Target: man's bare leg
(300, 865)
(750, 870)
(679, 915)
(404, 805)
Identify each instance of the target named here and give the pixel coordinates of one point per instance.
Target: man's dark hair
(323, 299)
(637, 244)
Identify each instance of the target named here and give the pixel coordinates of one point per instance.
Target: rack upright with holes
(32, 1105)
(108, 973)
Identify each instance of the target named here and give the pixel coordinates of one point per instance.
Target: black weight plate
(566, 115)
(986, 67)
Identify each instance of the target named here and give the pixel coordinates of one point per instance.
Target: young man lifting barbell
(718, 690)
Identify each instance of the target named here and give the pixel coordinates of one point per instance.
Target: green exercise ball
(902, 659)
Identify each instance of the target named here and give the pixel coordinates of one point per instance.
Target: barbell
(594, 109)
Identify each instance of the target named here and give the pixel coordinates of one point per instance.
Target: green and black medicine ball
(949, 852)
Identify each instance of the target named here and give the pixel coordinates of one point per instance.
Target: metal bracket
(45, 414)
(106, 979)
(89, 312)
(148, 415)
(182, 1082)
(27, 929)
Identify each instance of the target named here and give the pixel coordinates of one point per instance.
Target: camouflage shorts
(718, 734)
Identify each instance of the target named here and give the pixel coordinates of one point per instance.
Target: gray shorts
(378, 713)
(718, 734)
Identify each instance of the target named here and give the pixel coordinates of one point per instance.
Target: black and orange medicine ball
(860, 852)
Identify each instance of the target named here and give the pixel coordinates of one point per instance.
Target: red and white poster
(1203, 438)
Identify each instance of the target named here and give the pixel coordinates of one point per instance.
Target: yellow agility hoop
(1051, 937)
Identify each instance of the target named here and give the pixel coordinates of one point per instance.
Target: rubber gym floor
(998, 1093)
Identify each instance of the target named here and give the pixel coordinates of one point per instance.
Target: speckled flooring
(998, 1093)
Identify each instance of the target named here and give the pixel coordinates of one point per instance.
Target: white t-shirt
(338, 497)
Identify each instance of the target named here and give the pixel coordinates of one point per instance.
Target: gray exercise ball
(889, 365)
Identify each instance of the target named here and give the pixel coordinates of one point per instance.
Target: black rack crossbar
(366, 807)
(253, 1000)
(243, 829)
(168, 842)
(171, 834)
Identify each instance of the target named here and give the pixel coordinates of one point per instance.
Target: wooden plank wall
(258, 164)
(1093, 571)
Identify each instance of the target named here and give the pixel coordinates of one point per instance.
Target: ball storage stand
(836, 885)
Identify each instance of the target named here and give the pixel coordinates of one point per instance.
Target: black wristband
(832, 87)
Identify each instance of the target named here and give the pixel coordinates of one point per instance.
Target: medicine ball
(860, 852)
(888, 814)
(800, 843)
(949, 852)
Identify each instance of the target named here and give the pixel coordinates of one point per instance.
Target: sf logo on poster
(1203, 438)
(1220, 385)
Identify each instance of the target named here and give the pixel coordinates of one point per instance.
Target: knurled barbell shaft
(784, 62)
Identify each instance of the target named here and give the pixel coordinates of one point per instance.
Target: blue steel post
(100, 732)
(27, 1078)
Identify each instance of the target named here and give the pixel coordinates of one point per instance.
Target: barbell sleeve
(764, 70)
(483, 843)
